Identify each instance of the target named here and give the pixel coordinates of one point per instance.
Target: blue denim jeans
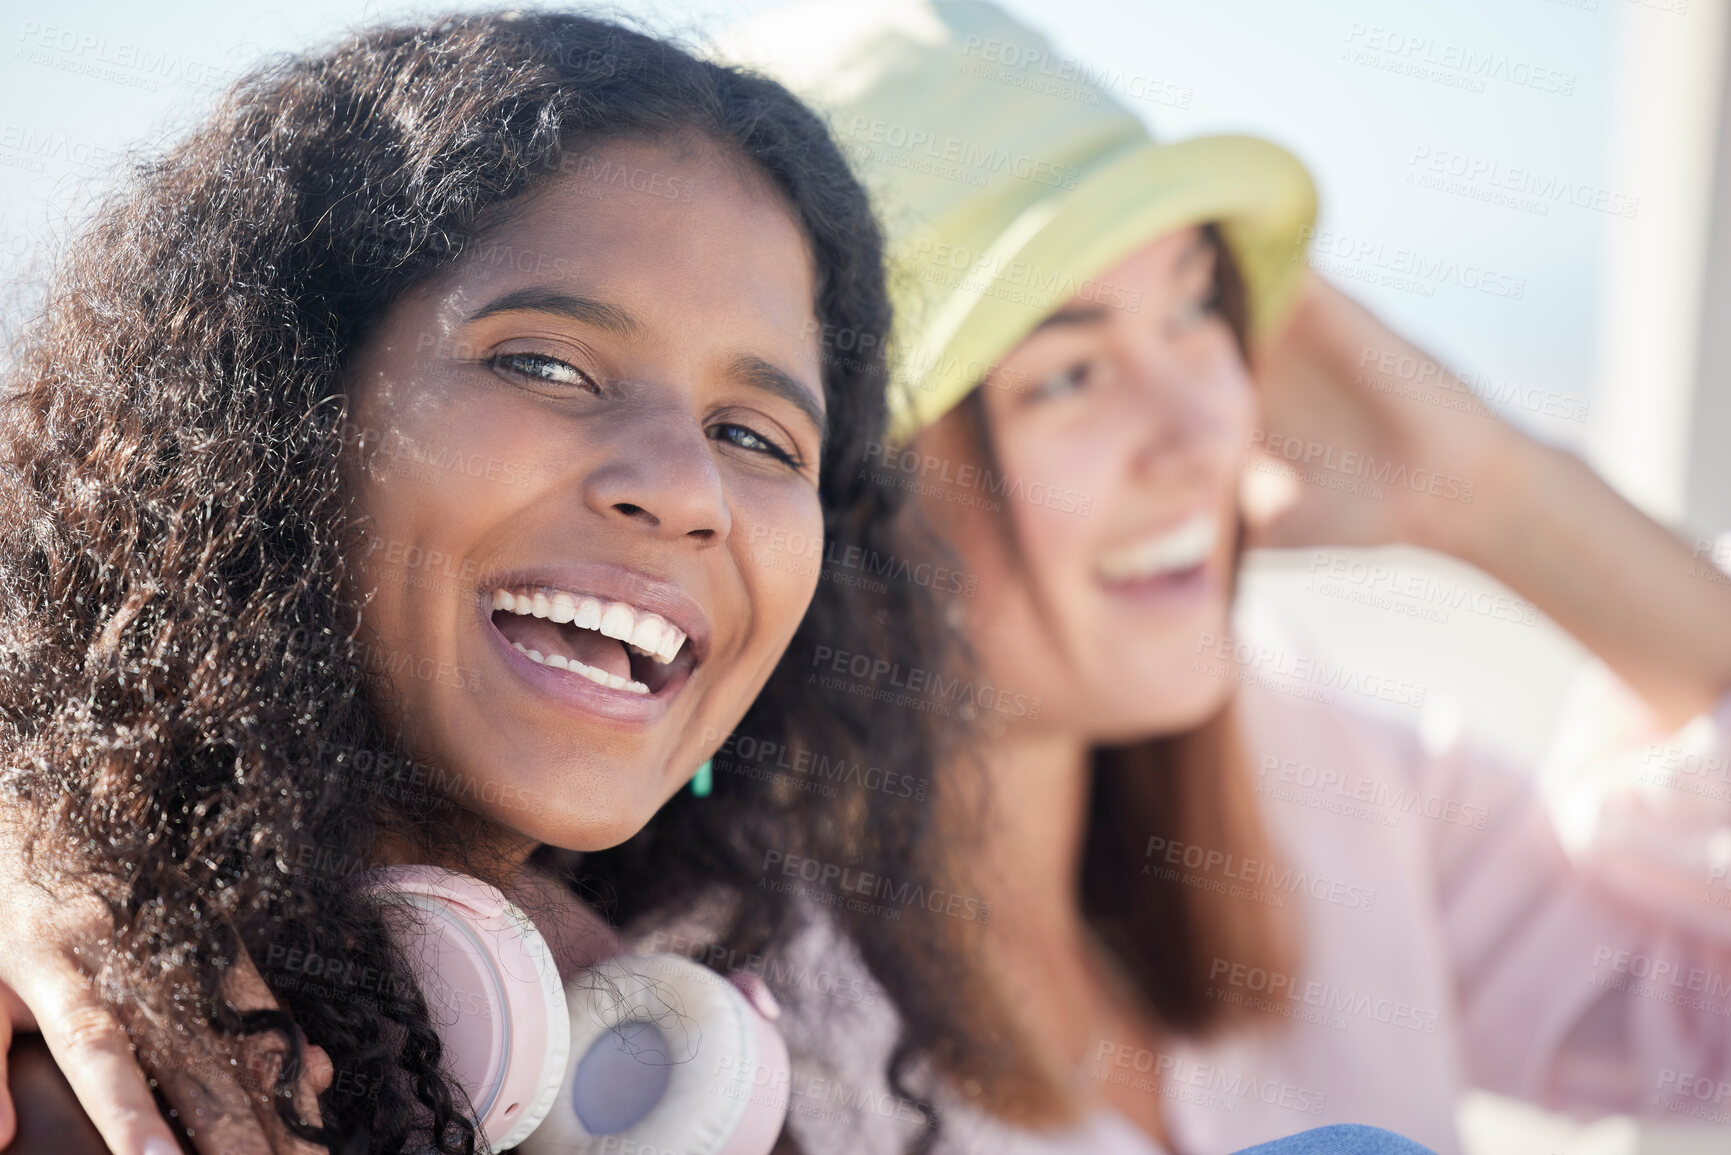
(1342, 1139)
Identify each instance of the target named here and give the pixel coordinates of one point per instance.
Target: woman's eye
(542, 368)
(1195, 309)
(1062, 383)
(750, 439)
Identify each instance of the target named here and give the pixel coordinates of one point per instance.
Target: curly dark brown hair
(184, 709)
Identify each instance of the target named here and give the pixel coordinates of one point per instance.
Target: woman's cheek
(1051, 519)
(1240, 409)
(785, 555)
(1056, 484)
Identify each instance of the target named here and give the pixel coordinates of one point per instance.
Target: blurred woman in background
(1224, 904)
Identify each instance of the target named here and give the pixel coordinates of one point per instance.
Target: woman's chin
(593, 833)
(585, 813)
(1166, 707)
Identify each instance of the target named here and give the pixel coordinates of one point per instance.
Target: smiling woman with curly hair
(399, 328)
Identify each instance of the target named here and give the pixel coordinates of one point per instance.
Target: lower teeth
(600, 677)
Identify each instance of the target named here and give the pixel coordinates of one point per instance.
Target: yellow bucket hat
(1008, 179)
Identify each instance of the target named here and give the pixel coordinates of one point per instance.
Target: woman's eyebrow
(754, 371)
(610, 318)
(1080, 315)
(1198, 249)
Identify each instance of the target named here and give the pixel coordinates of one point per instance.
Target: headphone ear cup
(666, 1055)
(492, 988)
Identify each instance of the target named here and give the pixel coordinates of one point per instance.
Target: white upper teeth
(645, 632)
(1185, 545)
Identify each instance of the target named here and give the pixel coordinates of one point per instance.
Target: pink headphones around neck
(642, 1052)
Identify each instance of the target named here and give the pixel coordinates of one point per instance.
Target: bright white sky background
(1274, 67)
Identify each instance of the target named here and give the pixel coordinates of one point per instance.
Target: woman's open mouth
(1172, 562)
(611, 643)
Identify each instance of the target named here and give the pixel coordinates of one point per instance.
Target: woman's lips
(574, 691)
(599, 638)
(1168, 569)
(1176, 548)
(611, 643)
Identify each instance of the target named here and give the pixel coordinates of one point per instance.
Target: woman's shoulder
(842, 1029)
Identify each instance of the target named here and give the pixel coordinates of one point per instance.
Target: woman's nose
(659, 470)
(1180, 415)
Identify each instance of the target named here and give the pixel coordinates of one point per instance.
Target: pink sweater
(1459, 931)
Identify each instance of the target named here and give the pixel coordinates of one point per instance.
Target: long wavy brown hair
(184, 717)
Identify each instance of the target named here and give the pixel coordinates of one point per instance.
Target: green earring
(704, 779)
